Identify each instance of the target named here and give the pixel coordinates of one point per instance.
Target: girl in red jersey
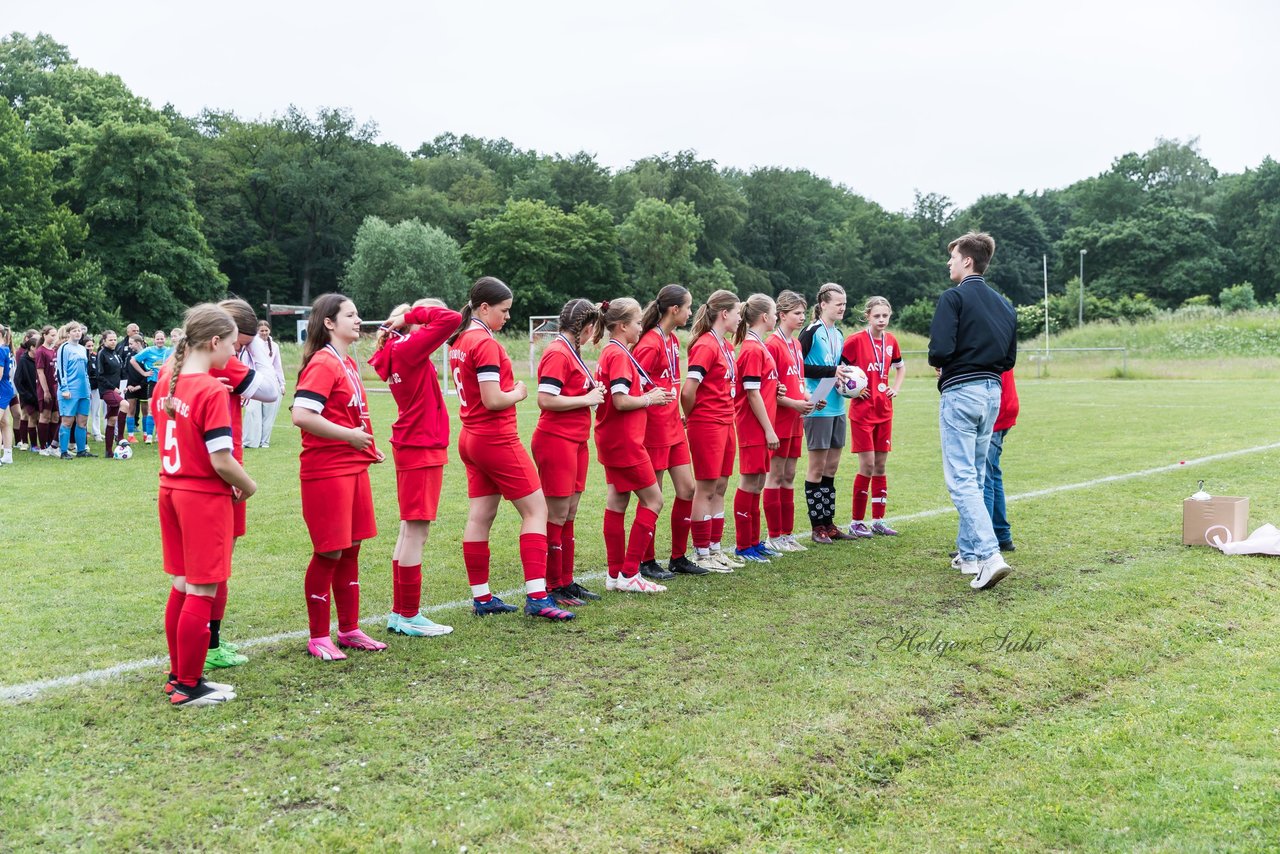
(707, 397)
(658, 352)
(620, 429)
(871, 415)
(497, 464)
(788, 423)
(419, 444)
(330, 407)
(567, 391)
(756, 403)
(199, 481)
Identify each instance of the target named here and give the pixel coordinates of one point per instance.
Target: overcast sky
(960, 99)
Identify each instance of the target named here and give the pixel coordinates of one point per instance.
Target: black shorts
(141, 393)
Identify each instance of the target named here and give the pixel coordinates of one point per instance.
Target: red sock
(702, 533)
(193, 638)
(879, 496)
(646, 522)
(773, 511)
(533, 557)
(755, 519)
(650, 552)
(42, 433)
(346, 589)
(681, 513)
(316, 586)
(615, 541)
(861, 489)
(741, 520)
(717, 528)
(566, 553)
(555, 555)
(788, 518)
(171, 612)
(397, 593)
(475, 555)
(410, 590)
(219, 601)
(108, 438)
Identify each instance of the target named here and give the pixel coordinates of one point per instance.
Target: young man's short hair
(978, 246)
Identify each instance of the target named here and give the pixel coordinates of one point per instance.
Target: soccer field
(1116, 692)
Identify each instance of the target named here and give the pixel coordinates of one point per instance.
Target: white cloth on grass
(1264, 541)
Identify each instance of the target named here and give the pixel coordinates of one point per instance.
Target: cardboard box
(1214, 521)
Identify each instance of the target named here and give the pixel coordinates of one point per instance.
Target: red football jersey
(200, 425)
(659, 354)
(563, 373)
(786, 355)
(240, 377)
(331, 385)
(711, 365)
(477, 357)
(756, 372)
(405, 363)
(875, 356)
(620, 435)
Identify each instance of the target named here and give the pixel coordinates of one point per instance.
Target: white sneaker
(779, 544)
(712, 563)
(51, 451)
(6, 459)
(796, 545)
(709, 563)
(990, 571)
(727, 562)
(968, 567)
(610, 583)
(22, 446)
(636, 584)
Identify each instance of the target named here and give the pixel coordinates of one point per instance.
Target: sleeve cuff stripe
(548, 388)
(245, 384)
(308, 403)
(222, 443)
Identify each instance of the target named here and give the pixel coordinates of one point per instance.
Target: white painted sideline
(31, 690)
(1112, 478)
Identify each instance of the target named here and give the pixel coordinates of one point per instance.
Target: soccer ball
(852, 383)
(123, 451)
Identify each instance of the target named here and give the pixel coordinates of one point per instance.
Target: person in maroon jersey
(497, 464)
(199, 481)
(756, 404)
(567, 392)
(871, 415)
(47, 388)
(332, 411)
(658, 352)
(419, 445)
(788, 423)
(620, 427)
(706, 396)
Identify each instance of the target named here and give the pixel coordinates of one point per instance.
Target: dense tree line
(111, 208)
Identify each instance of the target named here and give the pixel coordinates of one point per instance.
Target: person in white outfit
(259, 416)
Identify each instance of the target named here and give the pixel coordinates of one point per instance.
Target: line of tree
(113, 209)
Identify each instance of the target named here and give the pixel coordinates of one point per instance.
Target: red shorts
(754, 459)
(497, 466)
(562, 464)
(46, 406)
(630, 478)
(870, 437)
(419, 492)
(29, 408)
(238, 519)
(669, 457)
(712, 448)
(338, 511)
(790, 447)
(195, 535)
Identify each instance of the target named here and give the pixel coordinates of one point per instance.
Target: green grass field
(773, 709)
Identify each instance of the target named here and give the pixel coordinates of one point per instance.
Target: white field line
(31, 690)
(1112, 478)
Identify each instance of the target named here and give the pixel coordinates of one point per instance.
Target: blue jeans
(965, 418)
(993, 489)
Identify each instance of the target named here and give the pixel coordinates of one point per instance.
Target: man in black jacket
(972, 341)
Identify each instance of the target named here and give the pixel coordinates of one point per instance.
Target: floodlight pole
(1083, 252)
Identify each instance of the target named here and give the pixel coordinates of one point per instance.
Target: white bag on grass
(1264, 541)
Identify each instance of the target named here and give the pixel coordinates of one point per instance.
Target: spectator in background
(97, 410)
(135, 386)
(260, 417)
(46, 391)
(148, 364)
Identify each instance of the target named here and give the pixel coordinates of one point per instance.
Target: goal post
(542, 328)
